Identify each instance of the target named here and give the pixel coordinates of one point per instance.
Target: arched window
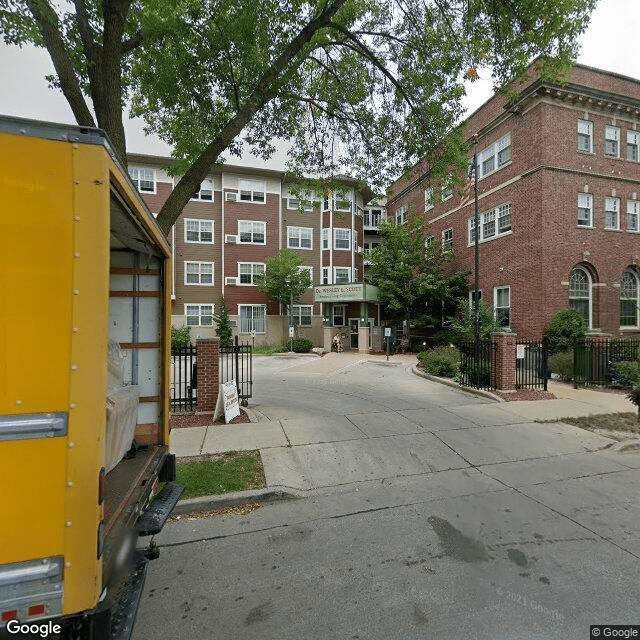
(580, 293)
(629, 299)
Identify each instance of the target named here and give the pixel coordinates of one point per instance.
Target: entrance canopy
(354, 292)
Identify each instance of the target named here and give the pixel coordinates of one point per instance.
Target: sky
(610, 43)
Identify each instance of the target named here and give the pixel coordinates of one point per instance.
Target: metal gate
(183, 378)
(236, 363)
(532, 371)
(478, 364)
(596, 362)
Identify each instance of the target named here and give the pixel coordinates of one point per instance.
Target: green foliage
(562, 363)
(271, 350)
(180, 337)
(627, 374)
(223, 326)
(479, 374)
(283, 277)
(464, 325)
(634, 396)
(441, 361)
(565, 330)
(302, 345)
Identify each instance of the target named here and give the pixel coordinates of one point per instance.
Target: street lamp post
(476, 222)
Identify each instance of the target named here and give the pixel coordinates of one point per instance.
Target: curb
(455, 385)
(213, 503)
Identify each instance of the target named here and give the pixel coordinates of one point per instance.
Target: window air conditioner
(233, 323)
(231, 281)
(231, 196)
(231, 239)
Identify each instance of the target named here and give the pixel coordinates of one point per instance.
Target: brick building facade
(238, 219)
(559, 201)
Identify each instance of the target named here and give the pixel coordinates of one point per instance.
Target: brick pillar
(208, 358)
(505, 360)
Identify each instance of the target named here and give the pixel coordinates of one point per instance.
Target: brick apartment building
(239, 218)
(559, 185)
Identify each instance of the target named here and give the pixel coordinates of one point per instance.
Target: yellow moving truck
(84, 384)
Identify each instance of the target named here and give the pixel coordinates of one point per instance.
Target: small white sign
(387, 332)
(227, 402)
(292, 332)
(520, 351)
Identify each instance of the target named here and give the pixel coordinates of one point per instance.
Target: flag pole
(477, 240)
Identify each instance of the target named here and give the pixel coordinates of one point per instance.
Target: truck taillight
(9, 615)
(36, 610)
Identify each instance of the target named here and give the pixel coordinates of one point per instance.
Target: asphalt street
(423, 512)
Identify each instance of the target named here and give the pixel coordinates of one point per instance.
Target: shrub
(479, 375)
(634, 396)
(565, 330)
(302, 345)
(627, 374)
(180, 337)
(223, 328)
(464, 325)
(562, 363)
(441, 361)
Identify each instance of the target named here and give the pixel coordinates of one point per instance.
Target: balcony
(373, 218)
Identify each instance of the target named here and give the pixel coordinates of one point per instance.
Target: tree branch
(132, 43)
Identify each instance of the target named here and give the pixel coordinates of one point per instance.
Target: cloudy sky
(610, 43)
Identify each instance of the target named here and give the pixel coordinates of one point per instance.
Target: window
(428, 243)
(252, 191)
(252, 232)
(341, 275)
(299, 238)
(429, 198)
(493, 223)
(475, 295)
(309, 270)
(612, 141)
(502, 305)
(302, 314)
(143, 179)
(342, 238)
(585, 210)
(199, 315)
(252, 318)
(447, 240)
(402, 215)
(296, 202)
(198, 231)
(198, 273)
(585, 136)
(342, 201)
(633, 145)
(580, 293)
(373, 217)
(495, 156)
(325, 276)
(247, 271)
(325, 238)
(338, 315)
(633, 209)
(612, 213)
(205, 192)
(629, 299)
(446, 190)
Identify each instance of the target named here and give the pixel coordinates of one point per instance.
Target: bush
(565, 330)
(562, 363)
(180, 337)
(627, 374)
(302, 345)
(479, 375)
(441, 361)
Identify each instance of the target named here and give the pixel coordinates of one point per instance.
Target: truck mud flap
(156, 514)
(123, 617)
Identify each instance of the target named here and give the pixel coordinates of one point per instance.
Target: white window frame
(200, 313)
(401, 215)
(447, 239)
(139, 175)
(326, 275)
(296, 312)
(299, 234)
(429, 198)
(253, 232)
(325, 239)
(635, 299)
(446, 189)
(257, 322)
(428, 243)
(200, 273)
(585, 204)
(495, 154)
(633, 216)
(346, 236)
(254, 191)
(499, 311)
(633, 142)
(612, 136)
(341, 314)
(253, 272)
(346, 196)
(589, 297)
(200, 223)
(309, 270)
(585, 128)
(612, 208)
(201, 194)
(335, 274)
(495, 219)
(293, 202)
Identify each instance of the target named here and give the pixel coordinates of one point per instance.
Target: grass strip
(608, 421)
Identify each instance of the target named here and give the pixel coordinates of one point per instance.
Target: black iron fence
(183, 378)
(478, 364)
(532, 371)
(596, 361)
(236, 363)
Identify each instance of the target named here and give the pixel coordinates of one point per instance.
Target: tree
(363, 86)
(223, 328)
(411, 278)
(464, 324)
(565, 330)
(283, 280)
